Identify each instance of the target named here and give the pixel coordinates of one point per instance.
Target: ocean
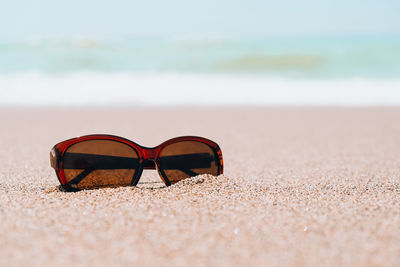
(201, 71)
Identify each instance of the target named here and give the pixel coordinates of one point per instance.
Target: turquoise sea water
(201, 71)
(313, 57)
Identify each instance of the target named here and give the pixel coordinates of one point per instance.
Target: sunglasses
(96, 161)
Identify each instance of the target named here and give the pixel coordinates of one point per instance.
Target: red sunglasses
(96, 161)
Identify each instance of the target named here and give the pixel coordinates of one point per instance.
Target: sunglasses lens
(99, 163)
(187, 159)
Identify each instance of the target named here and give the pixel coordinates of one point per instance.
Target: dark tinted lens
(99, 163)
(186, 159)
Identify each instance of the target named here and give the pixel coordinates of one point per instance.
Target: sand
(302, 187)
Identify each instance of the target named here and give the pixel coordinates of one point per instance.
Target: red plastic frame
(145, 154)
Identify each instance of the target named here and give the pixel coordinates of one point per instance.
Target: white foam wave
(134, 89)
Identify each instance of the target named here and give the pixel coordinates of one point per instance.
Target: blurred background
(179, 53)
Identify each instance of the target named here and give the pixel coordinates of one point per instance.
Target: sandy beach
(302, 187)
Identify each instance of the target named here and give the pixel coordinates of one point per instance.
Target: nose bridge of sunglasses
(149, 164)
(149, 157)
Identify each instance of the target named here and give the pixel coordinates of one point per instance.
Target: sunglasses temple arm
(90, 162)
(79, 177)
(86, 161)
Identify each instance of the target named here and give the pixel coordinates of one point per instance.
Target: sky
(20, 19)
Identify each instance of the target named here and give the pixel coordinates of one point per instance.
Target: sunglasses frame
(145, 154)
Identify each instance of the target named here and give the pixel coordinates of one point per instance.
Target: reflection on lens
(187, 159)
(99, 163)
